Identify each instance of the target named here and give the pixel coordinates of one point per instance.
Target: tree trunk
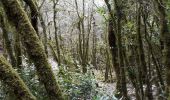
(12, 79)
(120, 49)
(34, 47)
(45, 33)
(56, 31)
(142, 63)
(113, 46)
(18, 51)
(8, 45)
(34, 14)
(165, 37)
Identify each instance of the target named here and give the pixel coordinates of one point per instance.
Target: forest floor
(109, 88)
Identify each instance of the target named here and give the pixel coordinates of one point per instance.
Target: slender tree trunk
(155, 62)
(113, 46)
(165, 38)
(94, 50)
(141, 69)
(84, 62)
(18, 51)
(34, 14)
(56, 31)
(53, 52)
(149, 86)
(45, 33)
(82, 41)
(8, 45)
(120, 49)
(132, 75)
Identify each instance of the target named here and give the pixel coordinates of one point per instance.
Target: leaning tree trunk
(5, 29)
(34, 14)
(34, 47)
(12, 79)
(42, 21)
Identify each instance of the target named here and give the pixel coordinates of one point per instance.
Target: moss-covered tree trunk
(142, 62)
(113, 47)
(34, 47)
(94, 44)
(18, 51)
(55, 2)
(34, 14)
(114, 51)
(42, 21)
(10, 77)
(6, 31)
(118, 9)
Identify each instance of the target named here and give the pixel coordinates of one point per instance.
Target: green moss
(34, 47)
(5, 29)
(12, 79)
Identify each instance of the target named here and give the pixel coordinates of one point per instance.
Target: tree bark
(34, 14)
(18, 51)
(118, 10)
(5, 29)
(12, 79)
(112, 43)
(34, 47)
(165, 38)
(56, 31)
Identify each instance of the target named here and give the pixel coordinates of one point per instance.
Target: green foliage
(102, 11)
(74, 85)
(30, 77)
(78, 86)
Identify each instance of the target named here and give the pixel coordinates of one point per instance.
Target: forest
(84, 49)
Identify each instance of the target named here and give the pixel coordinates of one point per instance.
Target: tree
(143, 70)
(165, 40)
(113, 44)
(13, 80)
(5, 28)
(34, 47)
